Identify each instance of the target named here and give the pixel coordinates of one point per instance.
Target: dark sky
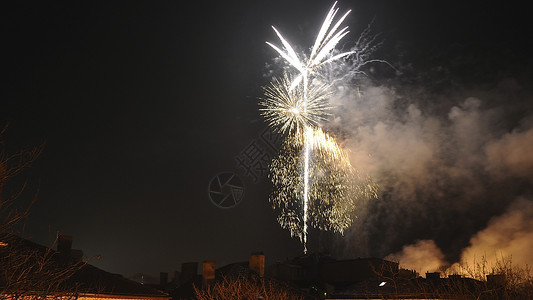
(140, 104)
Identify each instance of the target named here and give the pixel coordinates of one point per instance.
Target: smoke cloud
(423, 256)
(506, 239)
(450, 158)
(511, 155)
(509, 236)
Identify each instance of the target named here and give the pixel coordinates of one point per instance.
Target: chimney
(64, 246)
(189, 271)
(208, 273)
(163, 279)
(257, 263)
(433, 275)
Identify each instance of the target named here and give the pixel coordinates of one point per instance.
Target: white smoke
(446, 165)
(507, 238)
(511, 155)
(423, 256)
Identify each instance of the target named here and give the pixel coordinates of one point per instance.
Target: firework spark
(284, 109)
(333, 193)
(295, 104)
(325, 42)
(323, 46)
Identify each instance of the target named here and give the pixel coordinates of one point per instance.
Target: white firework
(328, 37)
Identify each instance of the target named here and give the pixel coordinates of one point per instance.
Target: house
(320, 276)
(33, 271)
(249, 276)
(371, 278)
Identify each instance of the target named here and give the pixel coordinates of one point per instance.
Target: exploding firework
(284, 109)
(324, 44)
(295, 104)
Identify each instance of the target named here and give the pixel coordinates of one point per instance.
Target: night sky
(141, 104)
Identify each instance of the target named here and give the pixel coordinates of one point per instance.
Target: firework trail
(294, 105)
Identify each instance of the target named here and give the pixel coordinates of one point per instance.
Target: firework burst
(284, 107)
(294, 105)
